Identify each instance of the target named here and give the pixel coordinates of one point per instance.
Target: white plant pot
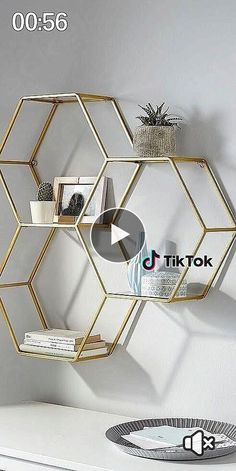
(42, 212)
(160, 284)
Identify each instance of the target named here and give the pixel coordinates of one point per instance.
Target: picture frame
(71, 194)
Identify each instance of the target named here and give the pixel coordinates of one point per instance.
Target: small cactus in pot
(43, 210)
(156, 136)
(45, 192)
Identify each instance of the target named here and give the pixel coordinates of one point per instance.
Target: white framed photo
(71, 194)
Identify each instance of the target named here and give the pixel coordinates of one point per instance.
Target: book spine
(46, 351)
(48, 338)
(62, 346)
(55, 352)
(58, 345)
(91, 353)
(63, 340)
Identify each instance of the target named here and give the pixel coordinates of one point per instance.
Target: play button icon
(117, 234)
(120, 238)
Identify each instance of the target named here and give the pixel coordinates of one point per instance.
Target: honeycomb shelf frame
(81, 99)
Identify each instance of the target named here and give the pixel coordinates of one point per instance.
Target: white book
(61, 335)
(171, 436)
(62, 353)
(64, 346)
(166, 436)
(149, 444)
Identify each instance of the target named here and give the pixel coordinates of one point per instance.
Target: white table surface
(74, 439)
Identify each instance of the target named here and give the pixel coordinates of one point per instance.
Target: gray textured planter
(154, 141)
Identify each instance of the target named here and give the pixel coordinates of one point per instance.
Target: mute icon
(198, 443)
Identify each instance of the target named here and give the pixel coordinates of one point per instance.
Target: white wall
(180, 360)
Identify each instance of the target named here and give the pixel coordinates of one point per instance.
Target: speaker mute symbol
(198, 443)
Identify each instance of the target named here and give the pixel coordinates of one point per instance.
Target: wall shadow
(118, 376)
(109, 378)
(121, 375)
(209, 312)
(201, 135)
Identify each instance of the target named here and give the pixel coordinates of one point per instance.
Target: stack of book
(166, 437)
(64, 343)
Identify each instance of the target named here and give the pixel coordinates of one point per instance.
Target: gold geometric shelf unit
(81, 98)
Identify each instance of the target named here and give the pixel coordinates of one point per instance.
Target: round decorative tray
(114, 434)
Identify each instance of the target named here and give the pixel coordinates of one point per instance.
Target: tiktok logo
(175, 261)
(149, 263)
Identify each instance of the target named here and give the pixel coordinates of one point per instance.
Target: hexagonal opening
(174, 202)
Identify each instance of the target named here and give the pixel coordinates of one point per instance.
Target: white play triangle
(117, 234)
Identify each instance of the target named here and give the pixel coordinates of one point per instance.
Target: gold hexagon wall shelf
(82, 99)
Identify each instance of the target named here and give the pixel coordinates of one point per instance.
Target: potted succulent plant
(156, 136)
(42, 210)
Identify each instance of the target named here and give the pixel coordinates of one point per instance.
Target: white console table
(47, 437)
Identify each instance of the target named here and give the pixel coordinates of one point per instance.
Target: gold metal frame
(81, 98)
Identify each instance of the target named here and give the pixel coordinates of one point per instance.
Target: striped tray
(114, 434)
